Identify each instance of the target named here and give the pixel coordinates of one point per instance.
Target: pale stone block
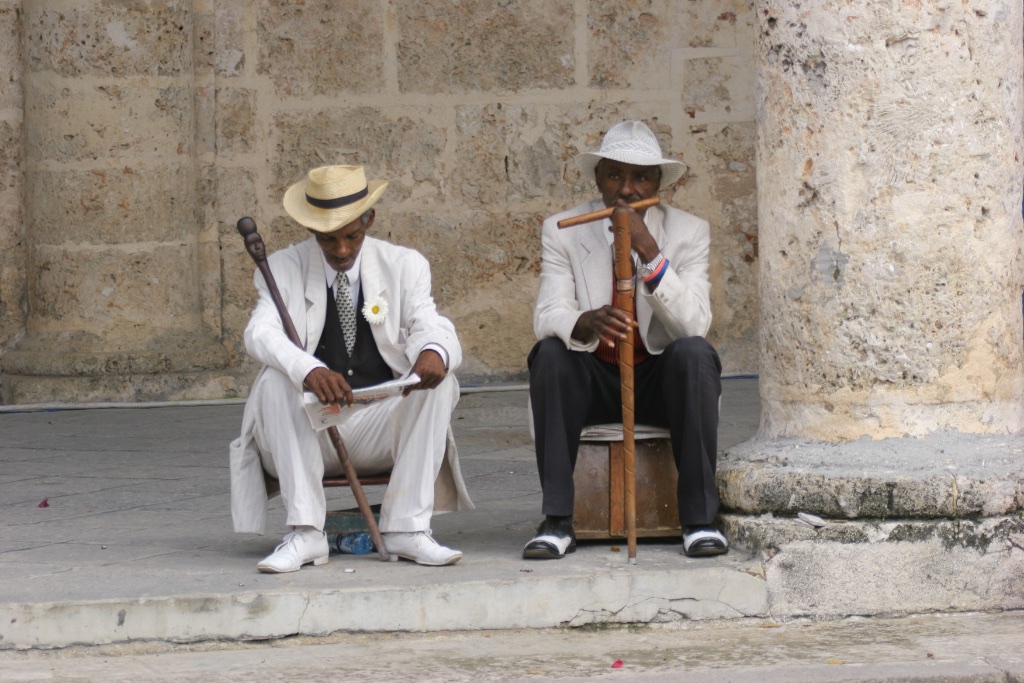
(205, 105)
(116, 39)
(485, 45)
(718, 23)
(631, 40)
(890, 191)
(11, 155)
(390, 144)
(720, 186)
(511, 153)
(10, 58)
(236, 121)
(230, 28)
(836, 579)
(112, 205)
(487, 288)
(91, 121)
(13, 297)
(236, 198)
(321, 48)
(718, 87)
(118, 293)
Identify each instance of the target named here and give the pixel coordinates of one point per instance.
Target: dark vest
(366, 366)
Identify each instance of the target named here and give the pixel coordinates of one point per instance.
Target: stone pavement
(961, 648)
(135, 543)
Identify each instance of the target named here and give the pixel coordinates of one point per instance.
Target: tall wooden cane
(254, 245)
(624, 288)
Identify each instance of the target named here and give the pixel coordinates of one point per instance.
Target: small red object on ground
(45, 503)
(617, 664)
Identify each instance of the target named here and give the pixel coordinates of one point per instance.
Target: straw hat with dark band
(331, 197)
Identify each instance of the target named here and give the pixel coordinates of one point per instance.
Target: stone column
(111, 208)
(889, 186)
(888, 474)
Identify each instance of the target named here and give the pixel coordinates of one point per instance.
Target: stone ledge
(123, 388)
(886, 568)
(946, 475)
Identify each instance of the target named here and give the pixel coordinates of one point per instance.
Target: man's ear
(373, 216)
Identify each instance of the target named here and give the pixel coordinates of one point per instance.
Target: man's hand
(329, 386)
(430, 367)
(608, 322)
(640, 238)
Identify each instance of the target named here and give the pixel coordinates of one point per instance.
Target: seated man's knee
(547, 358)
(692, 349)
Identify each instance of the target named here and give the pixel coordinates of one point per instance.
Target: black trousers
(678, 389)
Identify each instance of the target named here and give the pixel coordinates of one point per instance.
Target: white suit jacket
(577, 276)
(398, 275)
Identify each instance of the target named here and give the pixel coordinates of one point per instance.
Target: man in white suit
(574, 374)
(364, 311)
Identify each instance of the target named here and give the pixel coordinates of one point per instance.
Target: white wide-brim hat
(632, 142)
(331, 197)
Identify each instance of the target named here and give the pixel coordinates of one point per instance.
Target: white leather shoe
(297, 548)
(420, 547)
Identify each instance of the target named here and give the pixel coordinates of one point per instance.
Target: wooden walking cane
(624, 288)
(254, 245)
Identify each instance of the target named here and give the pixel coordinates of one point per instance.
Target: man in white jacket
(365, 315)
(574, 374)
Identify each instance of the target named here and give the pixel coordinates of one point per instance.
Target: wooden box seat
(599, 510)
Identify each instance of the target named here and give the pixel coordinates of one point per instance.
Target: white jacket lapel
(316, 297)
(376, 285)
(596, 260)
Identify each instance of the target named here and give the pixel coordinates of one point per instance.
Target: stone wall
(13, 264)
(890, 170)
(473, 110)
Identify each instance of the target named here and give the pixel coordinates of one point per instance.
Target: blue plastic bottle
(359, 543)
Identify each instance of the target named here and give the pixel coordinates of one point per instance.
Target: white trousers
(406, 435)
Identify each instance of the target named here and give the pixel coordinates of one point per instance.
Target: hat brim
(329, 220)
(671, 170)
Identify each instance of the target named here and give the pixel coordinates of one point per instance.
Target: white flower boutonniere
(375, 311)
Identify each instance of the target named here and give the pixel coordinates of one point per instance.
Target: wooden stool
(599, 509)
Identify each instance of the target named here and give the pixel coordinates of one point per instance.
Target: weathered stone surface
(717, 88)
(236, 194)
(236, 121)
(97, 38)
(716, 24)
(122, 294)
(164, 385)
(403, 150)
(890, 222)
(485, 45)
(945, 475)
(72, 207)
(720, 187)
(512, 153)
(226, 51)
(13, 263)
(320, 47)
(489, 290)
(90, 121)
(13, 253)
(253, 93)
(10, 56)
(870, 567)
(631, 40)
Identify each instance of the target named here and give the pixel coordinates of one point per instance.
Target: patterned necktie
(346, 311)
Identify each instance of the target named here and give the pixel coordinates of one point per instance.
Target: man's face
(632, 183)
(342, 246)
